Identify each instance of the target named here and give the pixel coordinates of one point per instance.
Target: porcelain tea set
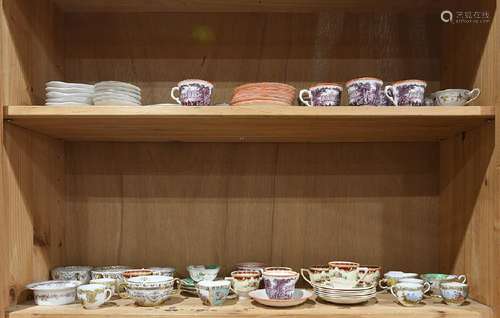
(339, 282)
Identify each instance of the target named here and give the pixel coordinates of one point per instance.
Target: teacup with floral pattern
(406, 93)
(364, 91)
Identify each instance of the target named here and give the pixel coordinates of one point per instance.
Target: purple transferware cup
(193, 93)
(406, 93)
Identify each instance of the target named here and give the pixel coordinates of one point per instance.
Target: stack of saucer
(355, 295)
(64, 94)
(188, 286)
(263, 94)
(117, 93)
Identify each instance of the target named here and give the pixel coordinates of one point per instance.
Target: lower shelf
(182, 306)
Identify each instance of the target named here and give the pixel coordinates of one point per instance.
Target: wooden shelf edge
(13, 112)
(180, 306)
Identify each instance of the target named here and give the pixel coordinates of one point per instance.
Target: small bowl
(163, 271)
(54, 292)
(79, 273)
(203, 272)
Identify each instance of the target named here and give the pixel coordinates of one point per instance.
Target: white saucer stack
(67, 94)
(354, 295)
(117, 93)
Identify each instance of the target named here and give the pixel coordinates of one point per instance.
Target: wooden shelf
(248, 123)
(183, 306)
(241, 5)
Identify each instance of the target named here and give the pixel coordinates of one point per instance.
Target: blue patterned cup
(364, 91)
(324, 94)
(213, 293)
(408, 294)
(193, 92)
(280, 284)
(406, 93)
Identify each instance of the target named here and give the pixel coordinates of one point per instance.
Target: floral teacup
(392, 278)
(79, 273)
(364, 91)
(454, 293)
(373, 274)
(454, 97)
(202, 272)
(280, 284)
(408, 294)
(107, 282)
(346, 274)
(318, 274)
(193, 92)
(406, 93)
(244, 282)
(425, 285)
(93, 295)
(324, 94)
(213, 293)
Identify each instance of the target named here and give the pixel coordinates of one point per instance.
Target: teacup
(202, 272)
(454, 97)
(454, 293)
(406, 93)
(345, 274)
(408, 294)
(193, 92)
(250, 266)
(364, 91)
(150, 290)
(373, 274)
(280, 284)
(318, 274)
(435, 279)
(93, 295)
(323, 94)
(392, 278)
(136, 273)
(244, 282)
(277, 268)
(425, 285)
(107, 282)
(213, 293)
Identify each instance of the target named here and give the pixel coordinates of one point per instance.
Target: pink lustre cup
(364, 91)
(193, 92)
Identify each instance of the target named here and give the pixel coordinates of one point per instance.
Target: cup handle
(308, 93)
(387, 89)
(172, 94)
(122, 292)
(109, 294)
(427, 287)
(382, 281)
(305, 270)
(473, 94)
(234, 295)
(393, 293)
(462, 279)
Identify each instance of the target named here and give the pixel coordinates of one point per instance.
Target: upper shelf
(243, 5)
(248, 123)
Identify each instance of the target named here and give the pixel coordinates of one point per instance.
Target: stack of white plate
(117, 93)
(354, 295)
(64, 94)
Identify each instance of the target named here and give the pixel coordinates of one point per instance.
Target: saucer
(299, 297)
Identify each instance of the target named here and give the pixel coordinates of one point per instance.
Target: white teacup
(425, 285)
(93, 295)
(454, 97)
(346, 274)
(392, 278)
(108, 282)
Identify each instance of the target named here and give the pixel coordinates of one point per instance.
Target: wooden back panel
(146, 204)
(156, 50)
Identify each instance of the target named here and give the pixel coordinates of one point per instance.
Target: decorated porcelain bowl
(54, 292)
(79, 273)
(203, 272)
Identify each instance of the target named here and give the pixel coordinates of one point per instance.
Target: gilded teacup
(346, 274)
(392, 278)
(244, 282)
(454, 293)
(93, 295)
(316, 274)
(408, 294)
